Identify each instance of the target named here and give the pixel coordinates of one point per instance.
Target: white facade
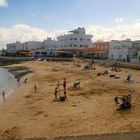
(121, 50)
(75, 39)
(139, 55)
(32, 45)
(14, 47)
(49, 43)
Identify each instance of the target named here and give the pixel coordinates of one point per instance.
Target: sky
(24, 20)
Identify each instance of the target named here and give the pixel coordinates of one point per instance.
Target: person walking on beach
(3, 95)
(55, 93)
(129, 76)
(18, 81)
(64, 84)
(35, 88)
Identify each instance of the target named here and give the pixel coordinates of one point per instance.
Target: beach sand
(89, 110)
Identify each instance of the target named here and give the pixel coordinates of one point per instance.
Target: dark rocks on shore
(19, 72)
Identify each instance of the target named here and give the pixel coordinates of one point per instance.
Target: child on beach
(35, 88)
(65, 95)
(64, 84)
(58, 85)
(55, 93)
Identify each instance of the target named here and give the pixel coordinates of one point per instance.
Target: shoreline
(18, 73)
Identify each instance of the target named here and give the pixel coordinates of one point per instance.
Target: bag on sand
(62, 98)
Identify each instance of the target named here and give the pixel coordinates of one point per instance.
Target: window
(81, 39)
(112, 56)
(71, 39)
(80, 45)
(71, 45)
(88, 39)
(120, 56)
(37, 52)
(75, 38)
(75, 45)
(98, 47)
(102, 47)
(43, 52)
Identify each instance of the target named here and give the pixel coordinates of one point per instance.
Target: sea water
(7, 82)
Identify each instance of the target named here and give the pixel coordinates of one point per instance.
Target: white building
(49, 43)
(139, 56)
(14, 47)
(32, 45)
(75, 39)
(120, 50)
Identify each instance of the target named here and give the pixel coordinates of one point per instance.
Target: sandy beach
(89, 110)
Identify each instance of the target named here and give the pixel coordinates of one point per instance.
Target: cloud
(22, 32)
(137, 20)
(115, 33)
(3, 3)
(119, 19)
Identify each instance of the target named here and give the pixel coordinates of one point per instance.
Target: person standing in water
(3, 95)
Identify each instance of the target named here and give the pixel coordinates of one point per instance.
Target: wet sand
(89, 110)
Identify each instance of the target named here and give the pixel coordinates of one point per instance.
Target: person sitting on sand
(129, 96)
(124, 101)
(55, 93)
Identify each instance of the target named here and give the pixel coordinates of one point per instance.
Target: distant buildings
(29, 45)
(76, 39)
(80, 43)
(32, 45)
(139, 56)
(120, 50)
(49, 43)
(14, 46)
(98, 50)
